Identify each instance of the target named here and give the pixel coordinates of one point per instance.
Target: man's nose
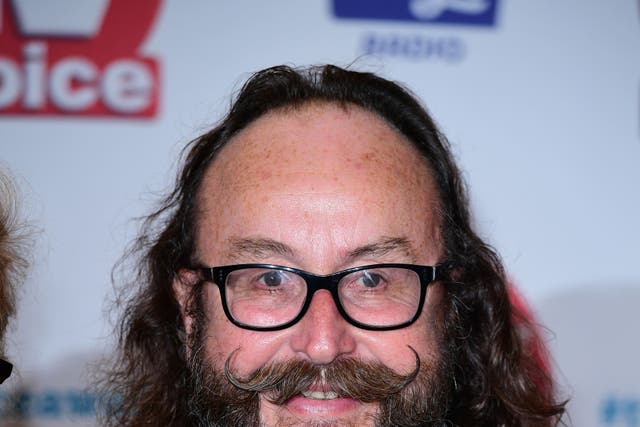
(323, 334)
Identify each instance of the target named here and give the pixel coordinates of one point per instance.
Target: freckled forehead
(326, 143)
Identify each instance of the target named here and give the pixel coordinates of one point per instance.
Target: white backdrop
(539, 98)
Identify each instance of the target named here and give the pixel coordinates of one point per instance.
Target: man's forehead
(325, 142)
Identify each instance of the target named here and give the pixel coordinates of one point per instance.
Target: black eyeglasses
(5, 370)
(265, 297)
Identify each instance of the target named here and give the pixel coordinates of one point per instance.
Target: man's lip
(304, 406)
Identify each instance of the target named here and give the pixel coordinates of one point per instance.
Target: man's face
(322, 189)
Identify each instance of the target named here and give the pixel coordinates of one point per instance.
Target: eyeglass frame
(427, 274)
(5, 370)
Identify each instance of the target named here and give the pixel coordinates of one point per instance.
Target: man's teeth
(322, 395)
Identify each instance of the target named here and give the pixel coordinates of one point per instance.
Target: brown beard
(420, 398)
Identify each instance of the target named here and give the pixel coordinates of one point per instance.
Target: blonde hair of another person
(13, 252)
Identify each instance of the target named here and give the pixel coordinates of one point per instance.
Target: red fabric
(529, 330)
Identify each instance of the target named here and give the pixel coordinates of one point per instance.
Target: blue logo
(414, 47)
(617, 411)
(49, 404)
(464, 12)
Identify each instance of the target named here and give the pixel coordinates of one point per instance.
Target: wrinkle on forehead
(256, 154)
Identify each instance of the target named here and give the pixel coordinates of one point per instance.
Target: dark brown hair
(497, 382)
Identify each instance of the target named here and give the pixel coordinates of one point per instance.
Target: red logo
(77, 57)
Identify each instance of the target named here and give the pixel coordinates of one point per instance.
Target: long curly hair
(497, 380)
(14, 252)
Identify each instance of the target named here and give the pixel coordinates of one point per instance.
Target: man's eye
(272, 278)
(370, 279)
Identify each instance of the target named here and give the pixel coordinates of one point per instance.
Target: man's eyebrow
(383, 247)
(257, 248)
(243, 249)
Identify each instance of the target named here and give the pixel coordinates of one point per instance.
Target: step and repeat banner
(540, 100)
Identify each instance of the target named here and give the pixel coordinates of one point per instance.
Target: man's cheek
(242, 351)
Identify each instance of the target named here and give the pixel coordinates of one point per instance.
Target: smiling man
(315, 265)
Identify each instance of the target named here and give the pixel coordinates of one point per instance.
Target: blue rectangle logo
(463, 12)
